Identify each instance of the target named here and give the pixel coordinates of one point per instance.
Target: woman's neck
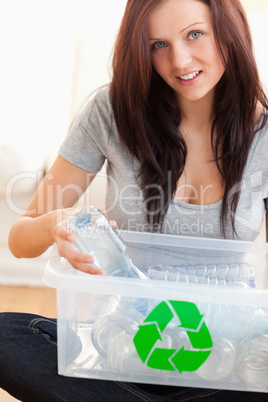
(197, 116)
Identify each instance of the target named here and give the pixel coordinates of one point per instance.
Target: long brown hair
(148, 117)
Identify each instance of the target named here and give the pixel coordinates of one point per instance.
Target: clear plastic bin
(209, 334)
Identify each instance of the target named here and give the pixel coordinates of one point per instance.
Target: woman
(183, 127)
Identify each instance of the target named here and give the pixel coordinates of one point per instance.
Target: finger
(87, 268)
(80, 261)
(62, 233)
(68, 251)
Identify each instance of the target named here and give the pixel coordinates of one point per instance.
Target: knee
(13, 325)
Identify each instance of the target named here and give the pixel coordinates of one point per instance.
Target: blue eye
(158, 45)
(195, 35)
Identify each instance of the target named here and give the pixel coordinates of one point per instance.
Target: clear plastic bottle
(221, 362)
(252, 363)
(94, 235)
(239, 275)
(118, 314)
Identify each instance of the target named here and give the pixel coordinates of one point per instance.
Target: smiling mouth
(189, 76)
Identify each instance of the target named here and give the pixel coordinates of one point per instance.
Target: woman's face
(183, 48)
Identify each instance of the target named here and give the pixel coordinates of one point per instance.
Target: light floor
(26, 300)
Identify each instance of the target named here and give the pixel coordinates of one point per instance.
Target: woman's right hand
(64, 239)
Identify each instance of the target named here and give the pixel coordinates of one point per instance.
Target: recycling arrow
(149, 333)
(188, 314)
(162, 315)
(201, 339)
(145, 339)
(189, 360)
(159, 359)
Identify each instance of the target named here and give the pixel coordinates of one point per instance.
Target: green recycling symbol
(172, 359)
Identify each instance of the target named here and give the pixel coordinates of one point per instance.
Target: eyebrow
(184, 29)
(195, 23)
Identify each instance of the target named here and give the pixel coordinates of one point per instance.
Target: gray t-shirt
(93, 139)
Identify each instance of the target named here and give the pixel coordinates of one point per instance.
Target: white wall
(43, 62)
(258, 23)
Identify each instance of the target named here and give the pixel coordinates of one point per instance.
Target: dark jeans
(28, 371)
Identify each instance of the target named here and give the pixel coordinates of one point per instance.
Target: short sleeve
(86, 142)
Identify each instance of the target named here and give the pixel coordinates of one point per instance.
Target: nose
(181, 56)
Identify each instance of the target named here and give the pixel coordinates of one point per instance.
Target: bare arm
(38, 228)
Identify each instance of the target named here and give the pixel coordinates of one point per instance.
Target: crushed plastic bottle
(239, 275)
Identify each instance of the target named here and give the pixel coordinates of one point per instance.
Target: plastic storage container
(202, 333)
